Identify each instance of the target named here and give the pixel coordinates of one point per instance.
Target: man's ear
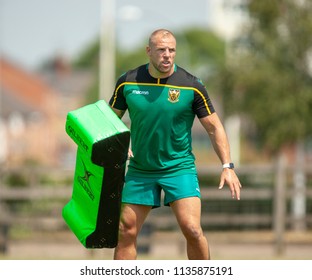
(148, 50)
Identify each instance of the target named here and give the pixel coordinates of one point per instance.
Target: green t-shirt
(162, 113)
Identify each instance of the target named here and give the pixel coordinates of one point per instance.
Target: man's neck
(159, 75)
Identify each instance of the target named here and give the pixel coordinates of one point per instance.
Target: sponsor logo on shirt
(174, 95)
(143, 92)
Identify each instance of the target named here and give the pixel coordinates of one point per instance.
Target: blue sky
(32, 31)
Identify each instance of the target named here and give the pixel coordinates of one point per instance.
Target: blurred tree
(201, 51)
(268, 75)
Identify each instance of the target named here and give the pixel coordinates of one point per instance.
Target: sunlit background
(255, 58)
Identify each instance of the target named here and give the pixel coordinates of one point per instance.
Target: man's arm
(119, 113)
(218, 138)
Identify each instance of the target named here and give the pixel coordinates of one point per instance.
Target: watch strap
(228, 165)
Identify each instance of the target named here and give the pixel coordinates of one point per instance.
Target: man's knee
(127, 230)
(192, 231)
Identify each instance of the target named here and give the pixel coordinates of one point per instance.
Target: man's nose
(166, 52)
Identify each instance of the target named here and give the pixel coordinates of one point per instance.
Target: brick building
(33, 109)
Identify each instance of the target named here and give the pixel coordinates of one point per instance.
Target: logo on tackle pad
(84, 181)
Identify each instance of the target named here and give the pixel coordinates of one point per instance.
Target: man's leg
(131, 221)
(188, 212)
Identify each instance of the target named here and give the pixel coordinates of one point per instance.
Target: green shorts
(148, 191)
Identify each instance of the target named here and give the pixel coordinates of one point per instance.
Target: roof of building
(22, 86)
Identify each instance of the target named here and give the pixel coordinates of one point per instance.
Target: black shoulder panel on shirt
(139, 75)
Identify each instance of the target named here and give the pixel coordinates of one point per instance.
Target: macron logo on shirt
(143, 92)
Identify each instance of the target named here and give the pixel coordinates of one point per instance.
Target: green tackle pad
(93, 212)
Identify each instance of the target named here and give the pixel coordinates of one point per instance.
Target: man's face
(162, 53)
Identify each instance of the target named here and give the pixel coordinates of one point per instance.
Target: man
(163, 100)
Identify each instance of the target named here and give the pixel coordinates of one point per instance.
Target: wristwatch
(228, 165)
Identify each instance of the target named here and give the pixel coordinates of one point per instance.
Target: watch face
(232, 165)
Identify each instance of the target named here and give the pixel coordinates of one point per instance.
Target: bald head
(160, 34)
(161, 50)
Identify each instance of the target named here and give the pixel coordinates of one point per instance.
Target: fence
(269, 200)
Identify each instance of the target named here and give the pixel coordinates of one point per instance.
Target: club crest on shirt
(173, 95)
